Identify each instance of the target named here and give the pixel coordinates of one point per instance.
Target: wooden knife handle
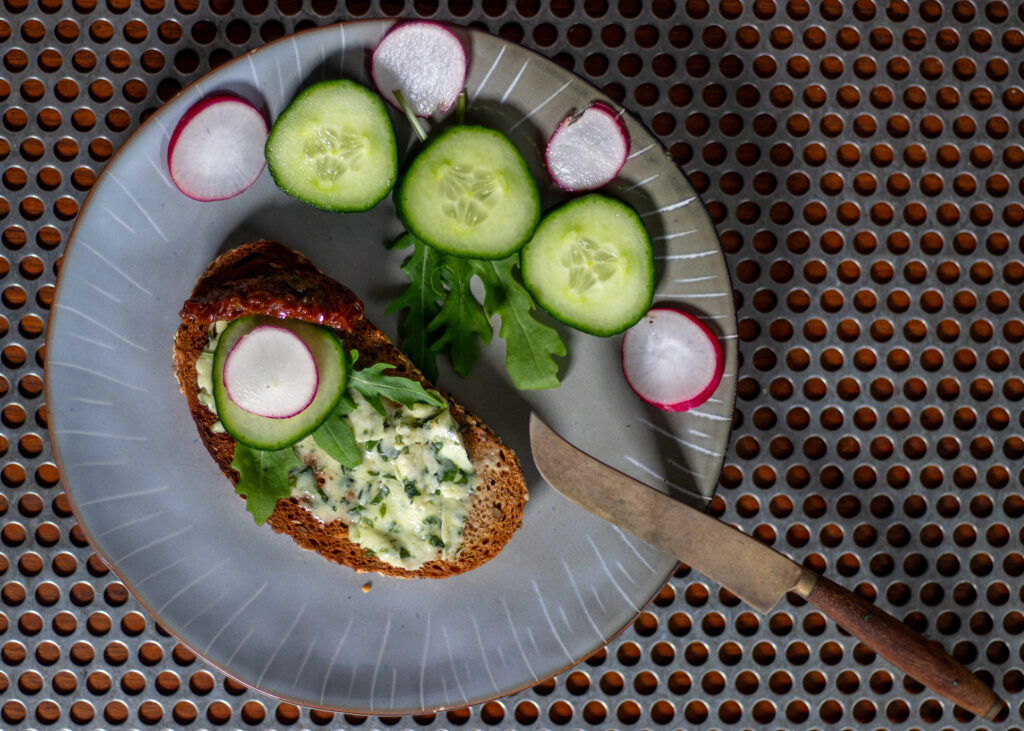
(921, 659)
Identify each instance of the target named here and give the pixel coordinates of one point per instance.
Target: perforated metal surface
(862, 163)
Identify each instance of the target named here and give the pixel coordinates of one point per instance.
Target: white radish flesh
(271, 372)
(216, 151)
(425, 62)
(672, 360)
(588, 149)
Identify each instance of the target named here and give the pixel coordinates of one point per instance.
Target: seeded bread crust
(496, 510)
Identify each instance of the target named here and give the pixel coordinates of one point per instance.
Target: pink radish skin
(587, 150)
(270, 372)
(672, 360)
(425, 61)
(216, 151)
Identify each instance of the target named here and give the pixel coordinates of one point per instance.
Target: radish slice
(271, 372)
(588, 149)
(216, 151)
(425, 62)
(671, 360)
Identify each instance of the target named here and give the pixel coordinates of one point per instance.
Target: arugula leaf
(263, 478)
(346, 404)
(335, 437)
(442, 314)
(373, 384)
(420, 300)
(530, 345)
(461, 321)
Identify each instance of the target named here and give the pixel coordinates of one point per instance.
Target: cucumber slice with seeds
(334, 147)
(590, 265)
(262, 432)
(469, 193)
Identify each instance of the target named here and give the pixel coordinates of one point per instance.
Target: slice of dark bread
(268, 278)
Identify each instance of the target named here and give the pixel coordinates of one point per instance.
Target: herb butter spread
(204, 373)
(407, 500)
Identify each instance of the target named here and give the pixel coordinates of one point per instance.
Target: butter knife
(754, 572)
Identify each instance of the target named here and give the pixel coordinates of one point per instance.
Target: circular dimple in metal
(862, 163)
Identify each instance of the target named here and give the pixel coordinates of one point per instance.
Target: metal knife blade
(752, 571)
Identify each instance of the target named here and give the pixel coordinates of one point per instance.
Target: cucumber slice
(590, 265)
(334, 147)
(261, 432)
(469, 193)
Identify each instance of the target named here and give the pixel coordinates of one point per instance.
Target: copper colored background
(862, 162)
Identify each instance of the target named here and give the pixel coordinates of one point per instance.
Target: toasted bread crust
(497, 506)
(268, 278)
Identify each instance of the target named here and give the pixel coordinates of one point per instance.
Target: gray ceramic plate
(250, 602)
